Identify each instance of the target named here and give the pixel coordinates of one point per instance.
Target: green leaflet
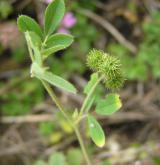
(55, 80)
(35, 40)
(53, 15)
(57, 159)
(111, 104)
(96, 131)
(59, 82)
(26, 23)
(59, 39)
(57, 42)
(49, 51)
(91, 83)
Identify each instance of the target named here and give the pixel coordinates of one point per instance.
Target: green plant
(41, 44)
(147, 61)
(59, 158)
(5, 9)
(13, 101)
(73, 59)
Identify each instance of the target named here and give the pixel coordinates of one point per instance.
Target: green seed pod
(95, 59)
(114, 82)
(111, 67)
(108, 66)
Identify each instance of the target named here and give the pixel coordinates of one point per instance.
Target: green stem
(82, 110)
(82, 145)
(58, 104)
(44, 42)
(29, 49)
(55, 99)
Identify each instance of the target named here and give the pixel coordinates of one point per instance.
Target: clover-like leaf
(96, 131)
(26, 23)
(51, 78)
(51, 50)
(111, 104)
(56, 42)
(53, 15)
(35, 39)
(59, 39)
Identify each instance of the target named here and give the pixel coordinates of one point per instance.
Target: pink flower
(68, 21)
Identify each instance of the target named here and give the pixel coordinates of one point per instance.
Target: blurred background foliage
(133, 134)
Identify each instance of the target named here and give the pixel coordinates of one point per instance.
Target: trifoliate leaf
(111, 104)
(51, 78)
(26, 23)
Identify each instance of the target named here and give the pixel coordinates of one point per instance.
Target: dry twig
(110, 28)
